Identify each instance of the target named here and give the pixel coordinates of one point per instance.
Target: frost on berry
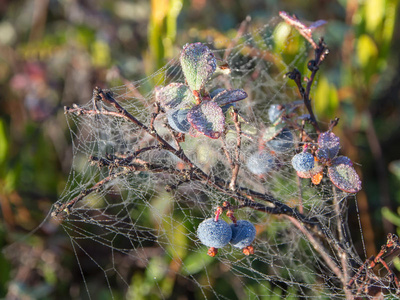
(213, 233)
(260, 163)
(243, 234)
(303, 162)
(283, 142)
(198, 64)
(177, 119)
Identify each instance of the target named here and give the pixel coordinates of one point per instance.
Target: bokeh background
(54, 52)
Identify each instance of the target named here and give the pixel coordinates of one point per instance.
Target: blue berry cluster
(217, 234)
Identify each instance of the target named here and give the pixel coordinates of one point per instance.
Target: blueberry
(213, 233)
(243, 234)
(177, 119)
(274, 112)
(303, 162)
(260, 163)
(283, 142)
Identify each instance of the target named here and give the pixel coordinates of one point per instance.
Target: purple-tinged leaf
(198, 64)
(316, 24)
(229, 96)
(342, 160)
(174, 95)
(329, 145)
(345, 178)
(322, 155)
(215, 92)
(208, 119)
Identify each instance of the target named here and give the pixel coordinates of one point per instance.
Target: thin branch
(235, 171)
(319, 248)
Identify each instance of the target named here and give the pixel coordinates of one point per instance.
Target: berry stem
(218, 213)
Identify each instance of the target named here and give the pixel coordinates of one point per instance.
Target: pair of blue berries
(217, 234)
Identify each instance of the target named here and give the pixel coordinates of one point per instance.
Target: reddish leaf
(208, 119)
(345, 178)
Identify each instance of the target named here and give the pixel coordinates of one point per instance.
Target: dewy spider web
(136, 228)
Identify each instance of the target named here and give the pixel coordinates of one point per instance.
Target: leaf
(198, 64)
(177, 119)
(329, 145)
(229, 96)
(342, 160)
(272, 131)
(208, 119)
(345, 178)
(174, 95)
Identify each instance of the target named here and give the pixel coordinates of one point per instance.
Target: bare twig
(235, 170)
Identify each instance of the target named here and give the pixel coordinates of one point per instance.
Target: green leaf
(3, 143)
(272, 131)
(367, 51)
(198, 64)
(391, 216)
(327, 99)
(208, 119)
(174, 95)
(374, 14)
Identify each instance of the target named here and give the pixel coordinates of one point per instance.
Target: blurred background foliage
(54, 52)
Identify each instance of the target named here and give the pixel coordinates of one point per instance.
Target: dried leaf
(316, 178)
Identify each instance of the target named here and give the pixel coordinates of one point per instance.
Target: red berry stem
(218, 213)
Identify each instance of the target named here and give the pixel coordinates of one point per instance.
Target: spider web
(137, 230)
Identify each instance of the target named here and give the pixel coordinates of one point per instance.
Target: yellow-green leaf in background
(374, 14)
(391, 216)
(367, 51)
(101, 56)
(326, 99)
(3, 144)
